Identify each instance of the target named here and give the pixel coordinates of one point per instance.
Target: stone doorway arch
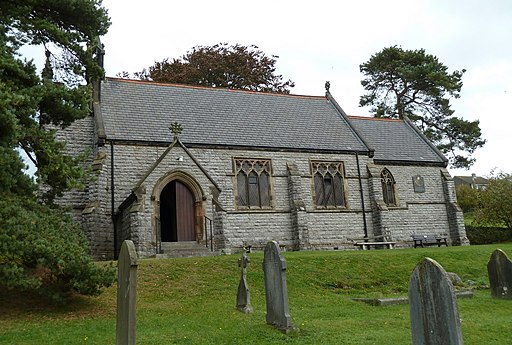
(177, 219)
(178, 210)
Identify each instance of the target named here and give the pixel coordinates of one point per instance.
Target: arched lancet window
(328, 183)
(253, 183)
(388, 187)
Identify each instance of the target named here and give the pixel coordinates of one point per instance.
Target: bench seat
(422, 240)
(367, 245)
(367, 242)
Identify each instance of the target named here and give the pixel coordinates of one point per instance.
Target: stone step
(183, 249)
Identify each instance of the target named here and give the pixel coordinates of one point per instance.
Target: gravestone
(499, 269)
(433, 306)
(276, 292)
(126, 294)
(243, 298)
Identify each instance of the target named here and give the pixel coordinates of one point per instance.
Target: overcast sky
(328, 40)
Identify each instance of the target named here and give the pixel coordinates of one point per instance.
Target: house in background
(473, 181)
(227, 168)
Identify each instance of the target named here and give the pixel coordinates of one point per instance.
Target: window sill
(255, 210)
(332, 209)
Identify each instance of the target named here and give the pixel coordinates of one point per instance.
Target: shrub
(496, 202)
(468, 198)
(488, 235)
(43, 250)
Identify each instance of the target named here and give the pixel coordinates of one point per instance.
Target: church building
(229, 168)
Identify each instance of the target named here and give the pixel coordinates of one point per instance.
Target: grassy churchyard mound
(193, 301)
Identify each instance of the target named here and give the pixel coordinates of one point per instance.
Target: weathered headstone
(126, 294)
(243, 297)
(499, 268)
(433, 306)
(276, 292)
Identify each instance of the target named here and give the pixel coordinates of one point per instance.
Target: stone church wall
(90, 205)
(327, 228)
(416, 212)
(293, 221)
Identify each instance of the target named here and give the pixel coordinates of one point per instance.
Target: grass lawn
(192, 301)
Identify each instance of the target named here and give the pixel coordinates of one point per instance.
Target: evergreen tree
(415, 84)
(42, 248)
(68, 29)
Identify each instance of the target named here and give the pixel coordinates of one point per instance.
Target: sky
(327, 41)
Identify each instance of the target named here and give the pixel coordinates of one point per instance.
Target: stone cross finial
(327, 86)
(47, 71)
(176, 129)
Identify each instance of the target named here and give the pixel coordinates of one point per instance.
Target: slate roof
(470, 180)
(143, 111)
(397, 141)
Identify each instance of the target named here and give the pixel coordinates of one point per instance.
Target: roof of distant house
(473, 179)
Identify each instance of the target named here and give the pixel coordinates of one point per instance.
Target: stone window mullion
(256, 183)
(328, 184)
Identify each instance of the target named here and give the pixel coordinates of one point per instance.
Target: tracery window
(253, 183)
(388, 187)
(328, 180)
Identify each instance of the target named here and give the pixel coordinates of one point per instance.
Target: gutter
(112, 197)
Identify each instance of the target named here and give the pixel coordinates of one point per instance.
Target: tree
(234, 67)
(411, 83)
(468, 198)
(44, 251)
(41, 248)
(496, 201)
(68, 30)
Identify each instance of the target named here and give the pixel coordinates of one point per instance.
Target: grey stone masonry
(133, 158)
(299, 224)
(433, 306)
(276, 291)
(126, 294)
(454, 212)
(499, 268)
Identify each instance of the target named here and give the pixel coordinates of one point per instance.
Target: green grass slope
(192, 301)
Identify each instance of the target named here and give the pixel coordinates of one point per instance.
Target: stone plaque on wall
(418, 183)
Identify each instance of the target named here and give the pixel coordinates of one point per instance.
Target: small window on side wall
(253, 183)
(388, 187)
(328, 180)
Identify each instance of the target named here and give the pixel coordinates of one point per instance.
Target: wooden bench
(422, 240)
(367, 242)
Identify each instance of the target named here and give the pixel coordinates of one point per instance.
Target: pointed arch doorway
(177, 213)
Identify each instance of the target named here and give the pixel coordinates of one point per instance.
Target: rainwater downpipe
(365, 227)
(112, 194)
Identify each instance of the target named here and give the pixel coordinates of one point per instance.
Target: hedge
(488, 235)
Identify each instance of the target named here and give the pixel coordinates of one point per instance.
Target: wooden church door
(177, 213)
(184, 213)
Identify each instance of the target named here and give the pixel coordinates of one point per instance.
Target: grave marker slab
(433, 306)
(126, 294)
(276, 291)
(499, 269)
(243, 297)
